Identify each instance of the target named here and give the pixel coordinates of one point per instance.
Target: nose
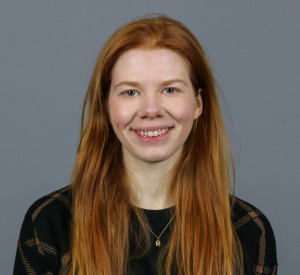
(150, 106)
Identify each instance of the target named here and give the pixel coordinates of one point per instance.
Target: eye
(170, 90)
(130, 93)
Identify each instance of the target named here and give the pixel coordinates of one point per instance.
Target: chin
(155, 159)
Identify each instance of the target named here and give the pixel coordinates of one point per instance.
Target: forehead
(158, 64)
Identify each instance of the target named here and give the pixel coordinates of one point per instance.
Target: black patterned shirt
(44, 240)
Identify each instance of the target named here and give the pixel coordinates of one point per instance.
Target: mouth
(153, 133)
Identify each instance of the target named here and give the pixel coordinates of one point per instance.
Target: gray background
(48, 50)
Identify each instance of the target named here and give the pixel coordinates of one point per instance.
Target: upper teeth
(155, 133)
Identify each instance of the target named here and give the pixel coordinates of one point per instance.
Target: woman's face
(152, 104)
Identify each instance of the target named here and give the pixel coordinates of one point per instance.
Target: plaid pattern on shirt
(44, 240)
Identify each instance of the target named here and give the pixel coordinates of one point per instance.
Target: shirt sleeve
(30, 258)
(257, 240)
(43, 242)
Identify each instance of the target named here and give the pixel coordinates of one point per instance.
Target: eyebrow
(137, 84)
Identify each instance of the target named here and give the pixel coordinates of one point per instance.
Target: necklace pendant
(158, 243)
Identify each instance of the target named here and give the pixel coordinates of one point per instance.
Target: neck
(148, 182)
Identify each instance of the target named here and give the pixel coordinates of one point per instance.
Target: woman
(150, 192)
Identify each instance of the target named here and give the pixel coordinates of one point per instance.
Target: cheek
(184, 111)
(120, 115)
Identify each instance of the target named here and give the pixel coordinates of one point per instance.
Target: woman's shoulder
(48, 212)
(244, 214)
(58, 199)
(256, 237)
(241, 208)
(52, 208)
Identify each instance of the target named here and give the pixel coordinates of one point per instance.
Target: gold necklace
(158, 241)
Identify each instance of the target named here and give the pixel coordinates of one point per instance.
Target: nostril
(151, 111)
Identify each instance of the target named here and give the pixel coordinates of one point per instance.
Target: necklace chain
(158, 242)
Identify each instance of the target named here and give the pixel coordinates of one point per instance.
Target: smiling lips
(155, 133)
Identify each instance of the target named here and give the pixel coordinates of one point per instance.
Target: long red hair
(203, 240)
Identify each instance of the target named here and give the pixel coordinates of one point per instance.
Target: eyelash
(169, 88)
